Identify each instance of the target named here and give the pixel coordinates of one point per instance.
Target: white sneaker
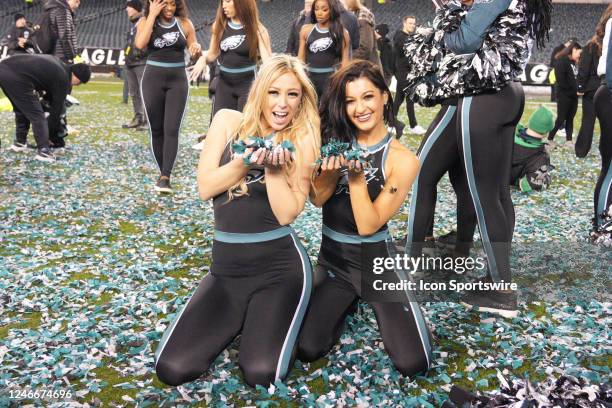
(417, 130)
(561, 132)
(45, 155)
(198, 146)
(569, 144)
(19, 147)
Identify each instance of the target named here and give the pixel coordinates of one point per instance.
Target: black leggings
(402, 325)
(231, 91)
(438, 154)
(567, 106)
(587, 127)
(400, 96)
(486, 125)
(262, 292)
(603, 189)
(319, 80)
(164, 93)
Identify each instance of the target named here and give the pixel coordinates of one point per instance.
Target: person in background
(566, 70)
(350, 23)
(134, 66)
(22, 79)
(293, 43)
(19, 37)
(555, 51)
(385, 47)
(409, 24)
(588, 82)
(367, 37)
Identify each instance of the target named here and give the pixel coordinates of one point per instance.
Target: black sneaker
(45, 155)
(19, 147)
(492, 301)
(163, 185)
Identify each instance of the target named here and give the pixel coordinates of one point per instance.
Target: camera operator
(19, 37)
(23, 78)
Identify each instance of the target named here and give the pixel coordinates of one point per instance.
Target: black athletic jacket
(133, 56)
(401, 61)
(587, 69)
(62, 26)
(566, 77)
(13, 40)
(43, 74)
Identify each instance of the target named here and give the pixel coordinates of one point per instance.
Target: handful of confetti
(256, 143)
(350, 152)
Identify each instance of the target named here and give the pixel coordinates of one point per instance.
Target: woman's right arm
(214, 179)
(303, 34)
(468, 37)
(144, 28)
(325, 183)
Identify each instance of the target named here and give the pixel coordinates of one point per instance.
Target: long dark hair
(539, 20)
(181, 12)
(567, 51)
(247, 13)
(336, 29)
(335, 123)
(600, 30)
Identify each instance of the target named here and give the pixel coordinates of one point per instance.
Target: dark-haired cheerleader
(324, 43)
(357, 203)
(167, 33)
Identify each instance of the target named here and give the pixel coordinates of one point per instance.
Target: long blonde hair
(303, 130)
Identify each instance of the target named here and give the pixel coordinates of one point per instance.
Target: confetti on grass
(94, 266)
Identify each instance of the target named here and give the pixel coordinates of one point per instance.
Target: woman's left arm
(345, 59)
(195, 49)
(287, 197)
(265, 47)
(403, 167)
(468, 37)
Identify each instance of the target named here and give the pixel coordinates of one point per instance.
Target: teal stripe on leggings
(287, 351)
(604, 194)
(431, 140)
(417, 313)
(466, 105)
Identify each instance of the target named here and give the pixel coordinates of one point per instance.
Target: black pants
(27, 108)
(338, 289)
(486, 125)
(232, 91)
(603, 189)
(587, 127)
(261, 292)
(164, 92)
(400, 97)
(319, 80)
(567, 106)
(439, 153)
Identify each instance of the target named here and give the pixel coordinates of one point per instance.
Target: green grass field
(94, 265)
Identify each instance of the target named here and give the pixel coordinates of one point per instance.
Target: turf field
(94, 265)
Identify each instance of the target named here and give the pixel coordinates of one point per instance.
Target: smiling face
(409, 25)
(322, 11)
(365, 105)
(229, 9)
(282, 102)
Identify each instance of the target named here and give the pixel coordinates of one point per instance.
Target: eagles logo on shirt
(254, 175)
(167, 39)
(321, 44)
(231, 43)
(371, 173)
